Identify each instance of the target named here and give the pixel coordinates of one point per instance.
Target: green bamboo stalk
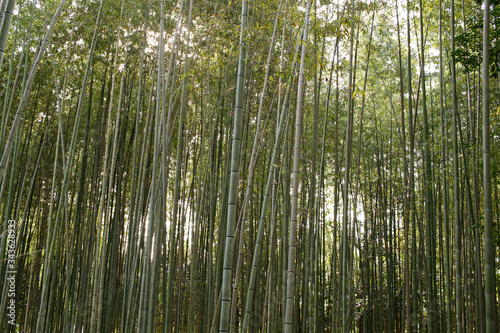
(458, 222)
(490, 287)
(292, 243)
(432, 317)
(249, 189)
(444, 157)
(347, 165)
(4, 28)
(234, 178)
(406, 311)
(262, 220)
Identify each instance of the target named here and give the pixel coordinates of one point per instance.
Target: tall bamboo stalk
(292, 243)
(490, 287)
(458, 221)
(235, 176)
(446, 208)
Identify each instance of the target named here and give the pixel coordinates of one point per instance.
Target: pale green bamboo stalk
(334, 325)
(273, 268)
(234, 178)
(265, 205)
(285, 225)
(321, 201)
(249, 188)
(292, 243)
(281, 289)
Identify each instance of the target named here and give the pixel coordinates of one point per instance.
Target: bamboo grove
(249, 166)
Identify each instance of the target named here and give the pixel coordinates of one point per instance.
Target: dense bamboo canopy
(249, 166)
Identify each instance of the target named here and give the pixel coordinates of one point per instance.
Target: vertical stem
(347, 163)
(235, 176)
(490, 291)
(458, 222)
(444, 157)
(292, 243)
